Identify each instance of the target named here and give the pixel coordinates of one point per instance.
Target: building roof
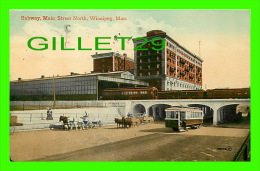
(117, 76)
(70, 76)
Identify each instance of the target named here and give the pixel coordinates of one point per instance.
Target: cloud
(226, 57)
(27, 63)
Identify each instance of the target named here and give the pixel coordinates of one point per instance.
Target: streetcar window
(172, 114)
(188, 114)
(182, 115)
(168, 114)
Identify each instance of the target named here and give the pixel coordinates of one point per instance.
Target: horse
(148, 119)
(119, 122)
(76, 124)
(71, 123)
(127, 122)
(135, 121)
(80, 124)
(65, 121)
(130, 122)
(96, 123)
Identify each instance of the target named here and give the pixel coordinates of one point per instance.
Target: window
(183, 115)
(158, 65)
(157, 72)
(172, 114)
(149, 73)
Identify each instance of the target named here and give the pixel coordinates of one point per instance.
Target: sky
(224, 37)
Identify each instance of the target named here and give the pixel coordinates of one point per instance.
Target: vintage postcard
(130, 85)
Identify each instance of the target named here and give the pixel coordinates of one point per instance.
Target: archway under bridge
(228, 114)
(158, 111)
(139, 109)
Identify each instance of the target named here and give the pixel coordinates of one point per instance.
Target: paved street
(146, 143)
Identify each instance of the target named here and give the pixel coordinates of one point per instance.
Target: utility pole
(54, 92)
(199, 48)
(66, 29)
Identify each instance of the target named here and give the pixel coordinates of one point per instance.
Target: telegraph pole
(199, 48)
(54, 92)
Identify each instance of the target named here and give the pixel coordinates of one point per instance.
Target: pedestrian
(86, 114)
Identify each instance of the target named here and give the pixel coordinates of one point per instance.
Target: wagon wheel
(176, 129)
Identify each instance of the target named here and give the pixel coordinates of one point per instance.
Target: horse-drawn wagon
(77, 124)
(132, 121)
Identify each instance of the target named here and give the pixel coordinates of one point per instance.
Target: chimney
(19, 79)
(125, 56)
(71, 73)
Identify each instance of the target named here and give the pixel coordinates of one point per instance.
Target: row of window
(148, 67)
(182, 53)
(58, 91)
(142, 53)
(148, 73)
(183, 114)
(149, 60)
(182, 85)
(71, 86)
(191, 114)
(125, 92)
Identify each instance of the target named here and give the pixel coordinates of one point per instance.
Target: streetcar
(138, 93)
(180, 119)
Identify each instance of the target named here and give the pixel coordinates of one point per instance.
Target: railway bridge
(215, 110)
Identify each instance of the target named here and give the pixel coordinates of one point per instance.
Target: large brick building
(172, 68)
(112, 61)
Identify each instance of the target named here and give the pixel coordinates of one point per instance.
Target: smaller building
(72, 87)
(111, 62)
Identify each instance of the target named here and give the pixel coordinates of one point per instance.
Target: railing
(243, 153)
(35, 105)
